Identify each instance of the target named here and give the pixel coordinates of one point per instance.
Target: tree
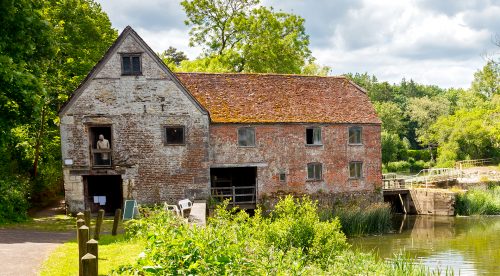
(173, 56)
(487, 80)
(425, 111)
(392, 117)
(248, 38)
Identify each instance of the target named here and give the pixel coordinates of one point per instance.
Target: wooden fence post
(98, 224)
(83, 238)
(86, 215)
(92, 249)
(80, 216)
(89, 265)
(118, 214)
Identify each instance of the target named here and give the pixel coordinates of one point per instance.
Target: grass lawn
(113, 252)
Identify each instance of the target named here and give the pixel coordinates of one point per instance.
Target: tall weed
(478, 202)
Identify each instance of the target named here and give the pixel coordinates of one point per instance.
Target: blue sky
(441, 42)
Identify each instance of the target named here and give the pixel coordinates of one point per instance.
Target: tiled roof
(269, 98)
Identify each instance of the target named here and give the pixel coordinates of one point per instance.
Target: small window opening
(131, 64)
(354, 135)
(100, 138)
(314, 171)
(175, 135)
(355, 170)
(313, 136)
(282, 177)
(246, 137)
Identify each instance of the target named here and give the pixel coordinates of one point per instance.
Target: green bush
(375, 219)
(398, 166)
(422, 154)
(13, 199)
(478, 202)
(292, 240)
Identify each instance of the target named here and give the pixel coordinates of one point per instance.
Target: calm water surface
(468, 245)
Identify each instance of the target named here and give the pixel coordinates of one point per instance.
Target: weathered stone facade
(137, 108)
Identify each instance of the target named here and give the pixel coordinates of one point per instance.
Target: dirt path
(23, 251)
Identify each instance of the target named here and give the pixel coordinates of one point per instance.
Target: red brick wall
(282, 147)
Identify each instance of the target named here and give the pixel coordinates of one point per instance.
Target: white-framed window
(313, 136)
(246, 137)
(355, 169)
(314, 171)
(355, 135)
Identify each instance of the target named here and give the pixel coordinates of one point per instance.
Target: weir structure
(417, 194)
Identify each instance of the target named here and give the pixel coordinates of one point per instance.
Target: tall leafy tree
(244, 37)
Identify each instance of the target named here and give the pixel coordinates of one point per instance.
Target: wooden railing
(98, 161)
(237, 194)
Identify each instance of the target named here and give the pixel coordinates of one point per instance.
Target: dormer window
(131, 64)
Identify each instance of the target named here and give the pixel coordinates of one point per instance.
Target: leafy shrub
(290, 241)
(478, 202)
(398, 166)
(13, 199)
(422, 154)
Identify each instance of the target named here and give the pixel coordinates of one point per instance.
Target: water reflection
(468, 245)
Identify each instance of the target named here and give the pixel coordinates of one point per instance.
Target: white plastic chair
(185, 204)
(172, 208)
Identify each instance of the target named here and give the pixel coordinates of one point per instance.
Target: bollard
(89, 265)
(79, 223)
(92, 249)
(98, 224)
(80, 216)
(118, 214)
(86, 217)
(83, 238)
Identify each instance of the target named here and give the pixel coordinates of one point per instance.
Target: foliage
(478, 202)
(355, 221)
(292, 240)
(398, 166)
(392, 117)
(391, 146)
(468, 134)
(46, 49)
(246, 37)
(172, 55)
(13, 199)
(487, 80)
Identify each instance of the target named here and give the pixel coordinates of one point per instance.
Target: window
(174, 135)
(314, 171)
(282, 177)
(131, 64)
(313, 136)
(246, 137)
(354, 135)
(101, 149)
(355, 169)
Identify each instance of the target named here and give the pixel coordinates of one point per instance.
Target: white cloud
(431, 42)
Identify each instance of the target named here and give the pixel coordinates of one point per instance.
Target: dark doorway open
(237, 184)
(103, 192)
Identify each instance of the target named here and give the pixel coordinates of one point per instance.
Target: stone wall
(137, 108)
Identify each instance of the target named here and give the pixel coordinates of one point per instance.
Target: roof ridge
(261, 74)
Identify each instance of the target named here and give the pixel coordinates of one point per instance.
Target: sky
(435, 42)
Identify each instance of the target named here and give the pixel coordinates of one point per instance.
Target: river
(467, 245)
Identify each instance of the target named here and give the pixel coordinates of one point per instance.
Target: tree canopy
(241, 36)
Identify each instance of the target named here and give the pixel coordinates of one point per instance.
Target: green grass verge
(57, 223)
(113, 252)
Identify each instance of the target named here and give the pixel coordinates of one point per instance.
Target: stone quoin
(247, 137)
